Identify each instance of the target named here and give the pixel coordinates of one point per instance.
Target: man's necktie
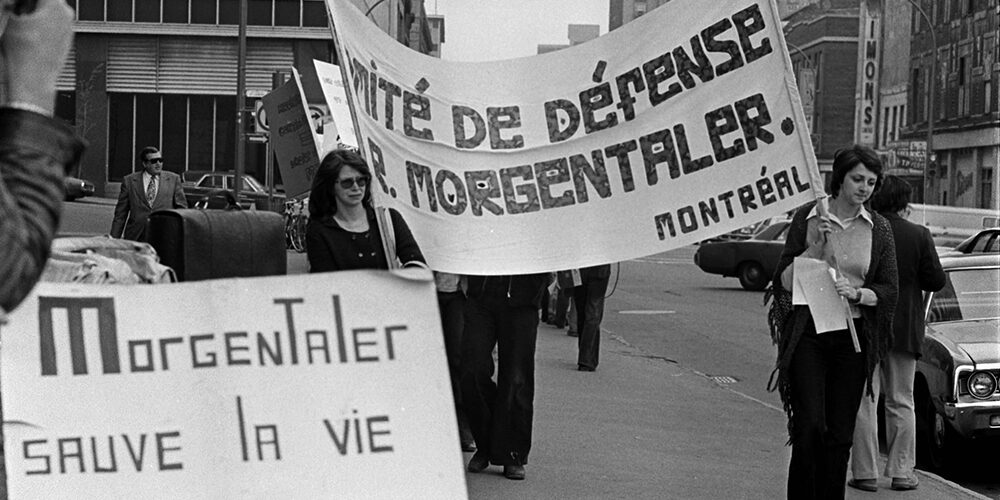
(151, 190)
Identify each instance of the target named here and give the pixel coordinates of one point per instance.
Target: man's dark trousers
(500, 413)
(589, 300)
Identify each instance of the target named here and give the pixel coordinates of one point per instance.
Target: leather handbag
(209, 244)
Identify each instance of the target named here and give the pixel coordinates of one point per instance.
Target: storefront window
(174, 132)
(225, 132)
(201, 132)
(229, 12)
(120, 126)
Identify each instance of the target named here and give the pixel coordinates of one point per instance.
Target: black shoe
(479, 462)
(515, 472)
(572, 333)
(585, 368)
(468, 445)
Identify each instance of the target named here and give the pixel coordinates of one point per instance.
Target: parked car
(985, 241)
(197, 185)
(77, 188)
(955, 388)
(747, 232)
(752, 261)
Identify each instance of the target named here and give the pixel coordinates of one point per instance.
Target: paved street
(677, 407)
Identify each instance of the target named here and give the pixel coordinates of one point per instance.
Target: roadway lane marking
(647, 312)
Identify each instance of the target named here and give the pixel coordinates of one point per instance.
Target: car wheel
(935, 437)
(752, 276)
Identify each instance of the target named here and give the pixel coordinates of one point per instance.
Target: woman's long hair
(322, 200)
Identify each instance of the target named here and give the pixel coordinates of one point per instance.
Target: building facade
(164, 73)
(965, 52)
(624, 11)
(822, 39)
(577, 34)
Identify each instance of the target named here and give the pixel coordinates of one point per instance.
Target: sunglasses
(155, 160)
(349, 183)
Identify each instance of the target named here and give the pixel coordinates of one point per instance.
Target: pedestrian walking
(501, 311)
(144, 192)
(589, 301)
(820, 375)
(919, 270)
(36, 150)
(451, 304)
(343, 231)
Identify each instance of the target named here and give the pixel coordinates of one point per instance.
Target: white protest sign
(318, 386)
(332, 84)
(293, 135)
(681, 125)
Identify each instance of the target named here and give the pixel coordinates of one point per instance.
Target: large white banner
(285, 387)
(679, 126)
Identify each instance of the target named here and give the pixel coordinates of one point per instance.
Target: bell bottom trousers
(894, 376)
(500, 413)
(827, 379)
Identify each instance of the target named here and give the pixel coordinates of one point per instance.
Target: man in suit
(919, 271)
(144, 192)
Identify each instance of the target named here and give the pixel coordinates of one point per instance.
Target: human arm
(180, 201)
(319, 254)
(795, 244)
(122, 210)
(35, 153)
(407, 249)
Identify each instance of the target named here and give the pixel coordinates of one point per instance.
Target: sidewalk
(645, 427)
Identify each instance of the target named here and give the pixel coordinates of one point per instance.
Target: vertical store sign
(869, 52)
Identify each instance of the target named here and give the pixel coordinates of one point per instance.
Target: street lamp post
(930, 93)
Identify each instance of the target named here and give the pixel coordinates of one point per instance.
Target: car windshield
(968, 294)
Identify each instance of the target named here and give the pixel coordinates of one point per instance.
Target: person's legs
(517, 330)
(571, 313)
(900, 420)
(562, 305)
(479, 393)
(845, 381)
(592, 309)
(452, 307)
(807, 373)
(864, 451)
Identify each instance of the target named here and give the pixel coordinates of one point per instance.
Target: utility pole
(241, 91)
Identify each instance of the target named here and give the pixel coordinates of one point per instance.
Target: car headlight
(982, 385)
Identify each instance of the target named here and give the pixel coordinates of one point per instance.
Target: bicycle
(296, 219)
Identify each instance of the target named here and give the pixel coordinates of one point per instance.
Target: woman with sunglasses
(343, 232)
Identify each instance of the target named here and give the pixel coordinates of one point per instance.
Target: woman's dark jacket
(787, 323)
(332, 248)
(517, 290)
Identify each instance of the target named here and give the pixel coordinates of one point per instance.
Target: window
(120, 147)
(66, 107)
(225, 132)
(176, 11)
(175, 132)
(286, 12)
(986, 188)
(314, 13)
(259, 12)
(229, 12)
(148, 11)
(203, 12)
(201, 130)
(120, 10)
(90, 10)
(147, 120)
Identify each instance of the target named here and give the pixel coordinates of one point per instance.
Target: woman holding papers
(821, 376)
(343, 231)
